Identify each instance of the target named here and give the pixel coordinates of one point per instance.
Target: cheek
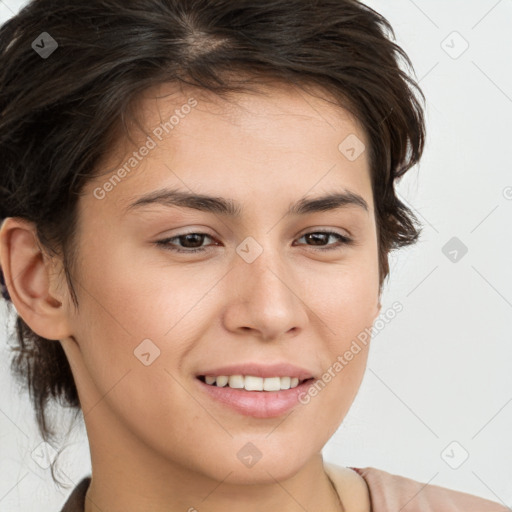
(118, 315)
(126, 300)
(124, 294)
(345, 296)
(345, 303)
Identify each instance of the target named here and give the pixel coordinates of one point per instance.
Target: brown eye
(319, 237)
(191, 242)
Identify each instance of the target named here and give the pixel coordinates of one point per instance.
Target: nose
(264, 297)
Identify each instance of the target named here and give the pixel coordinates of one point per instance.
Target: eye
(188, 238)
(318, 236)
(193, 241)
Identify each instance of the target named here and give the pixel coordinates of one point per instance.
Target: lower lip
(258, 404)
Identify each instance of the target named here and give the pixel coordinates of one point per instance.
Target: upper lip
(260, 370)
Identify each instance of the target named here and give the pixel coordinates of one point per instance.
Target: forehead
(306, 103)
(278, 137)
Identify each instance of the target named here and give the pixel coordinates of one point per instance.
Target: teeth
(251, 383)
(222, 381)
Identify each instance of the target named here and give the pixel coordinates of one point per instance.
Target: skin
(157, 441)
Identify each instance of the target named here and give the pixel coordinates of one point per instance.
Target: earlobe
(30, 281)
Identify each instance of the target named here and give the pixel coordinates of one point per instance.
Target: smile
(267, 401)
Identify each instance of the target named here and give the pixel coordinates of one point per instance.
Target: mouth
(268, 399)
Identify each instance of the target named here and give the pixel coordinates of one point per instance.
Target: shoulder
(76, 500)
(390, 492)
(350, 486)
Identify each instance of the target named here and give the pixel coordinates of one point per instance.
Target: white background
(441, 370)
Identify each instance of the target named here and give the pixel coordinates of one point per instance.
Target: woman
(198, 203)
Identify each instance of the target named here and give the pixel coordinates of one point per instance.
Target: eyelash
(344, 240)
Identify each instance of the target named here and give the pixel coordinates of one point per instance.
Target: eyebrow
(231, 208)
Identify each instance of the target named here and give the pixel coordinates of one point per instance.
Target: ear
(32, 281)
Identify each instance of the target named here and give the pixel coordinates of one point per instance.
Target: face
(266, 287)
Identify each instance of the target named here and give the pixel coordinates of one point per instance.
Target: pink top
(393, 493)
(388, 493)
